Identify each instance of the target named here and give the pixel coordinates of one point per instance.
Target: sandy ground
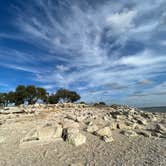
(123, 151)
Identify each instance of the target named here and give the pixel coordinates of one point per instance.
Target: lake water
(155, 109)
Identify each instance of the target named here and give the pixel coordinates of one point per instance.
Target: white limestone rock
(92, 128)
(76, 139)
(106, 131)
(107, 139)
(129, 133)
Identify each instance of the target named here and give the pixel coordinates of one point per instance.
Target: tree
(35, 93)
(65, 95)
(73, 96)
(41, 94)
(62, 95)
(3, 99)
(31, 96)
(53, 99)
(20, 95)
(11, 97)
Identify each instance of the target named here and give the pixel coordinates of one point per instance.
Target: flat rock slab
(42, 135)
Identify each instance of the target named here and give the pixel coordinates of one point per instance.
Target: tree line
(31, 94)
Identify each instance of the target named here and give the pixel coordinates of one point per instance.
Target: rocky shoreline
(79, 134)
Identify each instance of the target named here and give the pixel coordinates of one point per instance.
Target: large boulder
(76, 139)
(106, 131)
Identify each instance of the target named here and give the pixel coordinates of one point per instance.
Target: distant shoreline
(154, 109)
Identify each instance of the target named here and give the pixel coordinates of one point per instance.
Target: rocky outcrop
(68, 122)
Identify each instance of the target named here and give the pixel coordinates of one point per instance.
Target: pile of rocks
(72, 122)
(68, 131)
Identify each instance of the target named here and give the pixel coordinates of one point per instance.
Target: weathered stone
(160, 128)
(104, 132)
(139, 126)
(113, 125)
(76, 164)
(49, 132)
(2, 122)
(92, 128)
(129, 133)
(122, 117)
(70, 124)
(58, 132)
(132, 111)
(73, 130)
(105, 118)
(31, 136)
(80, 118)
(76, 139)
(115, 114)
(46, 133)
(107, 139)
(131, 125)
(123, 125)
(144, 133)
(155, 134)
(142, 121)
(163, 121)
(90, 123)
(71, 117)
(2, 139)
(163, 136)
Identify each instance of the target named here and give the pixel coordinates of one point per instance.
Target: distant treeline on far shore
(31, 94)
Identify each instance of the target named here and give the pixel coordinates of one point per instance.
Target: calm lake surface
(154, 109)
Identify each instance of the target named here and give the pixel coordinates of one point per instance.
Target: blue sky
(112, 51)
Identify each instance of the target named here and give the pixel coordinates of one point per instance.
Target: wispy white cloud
(145, 58)
(84, 45)
(121, 22)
